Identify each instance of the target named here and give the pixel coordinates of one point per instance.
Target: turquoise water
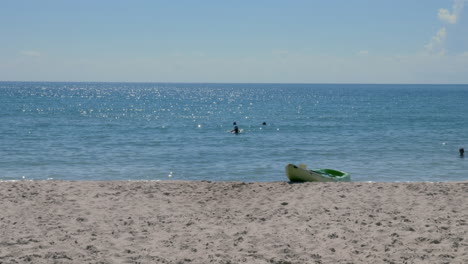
(159, 131)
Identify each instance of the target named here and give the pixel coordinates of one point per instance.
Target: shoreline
(212, 181)
(233, 222)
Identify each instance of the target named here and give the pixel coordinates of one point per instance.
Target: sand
(233, 222)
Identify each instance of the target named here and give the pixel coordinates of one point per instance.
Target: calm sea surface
(159, 131)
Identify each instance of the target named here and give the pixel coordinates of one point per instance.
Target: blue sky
(295, 41)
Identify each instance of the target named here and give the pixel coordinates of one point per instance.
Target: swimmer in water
(462, 152)
(235, 130)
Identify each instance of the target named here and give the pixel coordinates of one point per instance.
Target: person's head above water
(234, 123)
(462, 151)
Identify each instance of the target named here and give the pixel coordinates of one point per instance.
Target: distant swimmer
(264, 123)
(462, 152)
(235, 130)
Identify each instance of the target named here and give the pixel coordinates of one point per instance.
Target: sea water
(181, 131)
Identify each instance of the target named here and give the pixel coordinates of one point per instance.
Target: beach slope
(233, 222)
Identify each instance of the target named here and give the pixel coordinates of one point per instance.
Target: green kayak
(302, 174)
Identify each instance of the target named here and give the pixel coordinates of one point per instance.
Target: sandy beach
(233, 222)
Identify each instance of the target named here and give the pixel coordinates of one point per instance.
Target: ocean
(181, 131)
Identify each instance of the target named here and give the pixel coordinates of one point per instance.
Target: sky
(242, 41)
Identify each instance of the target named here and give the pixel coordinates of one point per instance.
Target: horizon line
(183, 82)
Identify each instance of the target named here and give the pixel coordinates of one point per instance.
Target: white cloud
(30, 53)
(451, 18)
(445, 16)
(363, 52)
(436, 45)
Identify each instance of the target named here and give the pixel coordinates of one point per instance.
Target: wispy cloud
(363, 52)
(437, 43)
(280, 52)
(30, 53)
(451, 17)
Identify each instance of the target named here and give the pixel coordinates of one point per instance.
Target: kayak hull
(298, 174)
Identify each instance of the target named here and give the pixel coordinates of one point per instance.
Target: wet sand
(233, 222)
